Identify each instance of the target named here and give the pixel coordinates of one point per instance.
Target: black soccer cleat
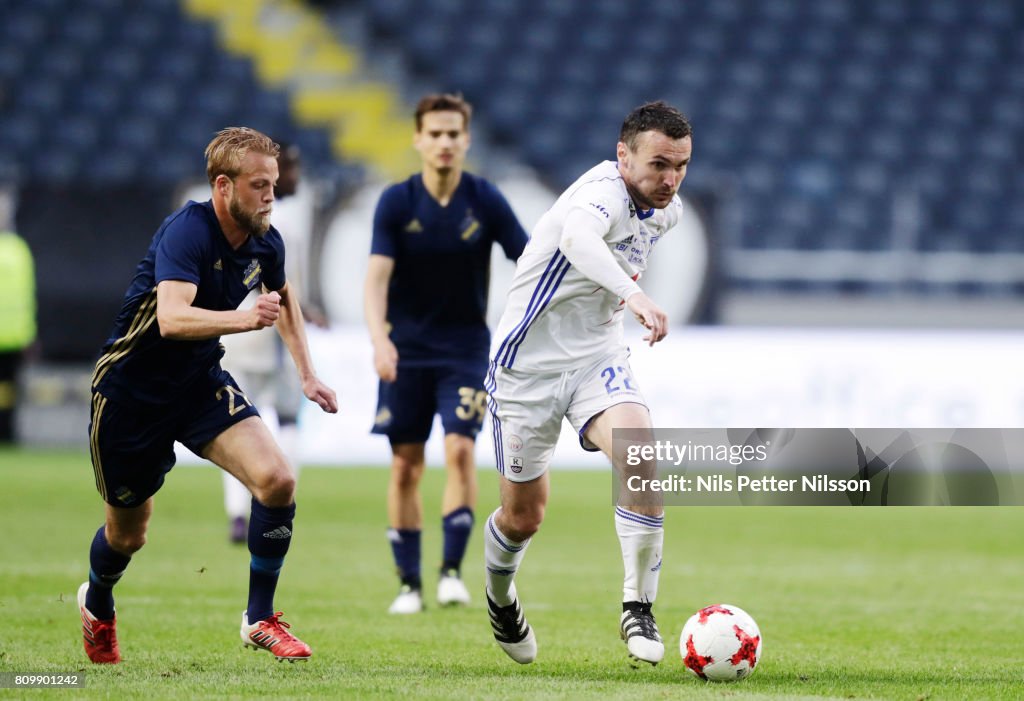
(640, 631)
(513, 633)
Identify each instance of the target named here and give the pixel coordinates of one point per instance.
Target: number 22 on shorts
(617, 379)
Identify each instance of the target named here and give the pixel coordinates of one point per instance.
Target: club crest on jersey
(414, 227)
(632, 209)
(251, 276)
(469, 225)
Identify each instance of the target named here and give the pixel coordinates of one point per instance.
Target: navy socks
(405, 546)
(457, 527)
(270, 534)
(106, 566)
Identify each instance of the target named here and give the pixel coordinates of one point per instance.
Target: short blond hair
(225, 153)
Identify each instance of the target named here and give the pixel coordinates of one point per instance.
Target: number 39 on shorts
(473, 404)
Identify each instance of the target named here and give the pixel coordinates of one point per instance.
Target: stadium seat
(823, 115)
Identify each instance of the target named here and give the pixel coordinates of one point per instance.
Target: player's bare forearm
(292, 329)
(375, 310)
(180, 321)
(375, 296)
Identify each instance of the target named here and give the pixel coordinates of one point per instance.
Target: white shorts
(527, 409)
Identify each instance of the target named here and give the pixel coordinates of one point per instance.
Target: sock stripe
(501, 542)
(266, 565)
(501, 572)
(651, 521)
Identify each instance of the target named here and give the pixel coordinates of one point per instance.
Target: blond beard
(252, 224)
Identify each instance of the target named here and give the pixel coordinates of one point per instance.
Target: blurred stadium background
(856, 254)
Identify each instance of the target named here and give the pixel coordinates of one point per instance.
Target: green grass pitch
(891, 603)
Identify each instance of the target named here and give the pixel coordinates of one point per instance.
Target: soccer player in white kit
(559, 352)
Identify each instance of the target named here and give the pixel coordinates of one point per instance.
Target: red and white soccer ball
(720, 643)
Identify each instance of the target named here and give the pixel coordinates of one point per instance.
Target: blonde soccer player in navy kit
(559, 353)
(159, 380)
(425, 303)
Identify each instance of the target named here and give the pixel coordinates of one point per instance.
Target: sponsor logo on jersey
(600, 208)
(414, 227)
(251, 276)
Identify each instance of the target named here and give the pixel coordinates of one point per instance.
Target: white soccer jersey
(556, 319)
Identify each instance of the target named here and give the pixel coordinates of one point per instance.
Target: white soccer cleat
(451, 591)
(409, 600)
(638, 628)
(513, 633)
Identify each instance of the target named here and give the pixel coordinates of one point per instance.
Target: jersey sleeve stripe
(542, 294)
(529, 307)
(547, 299)
(144, 318)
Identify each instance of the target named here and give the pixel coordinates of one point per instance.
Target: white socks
(502, 557)
(641, 538)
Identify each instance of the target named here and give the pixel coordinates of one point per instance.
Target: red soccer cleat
(99, 637)
(271, 635)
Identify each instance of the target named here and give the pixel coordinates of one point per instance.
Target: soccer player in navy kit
(159, 380)
(425, 304)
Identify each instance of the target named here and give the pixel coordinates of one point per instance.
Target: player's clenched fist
(266, 310)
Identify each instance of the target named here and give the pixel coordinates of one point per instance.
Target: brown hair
(654, 116)
(225, 153)
(443, 102)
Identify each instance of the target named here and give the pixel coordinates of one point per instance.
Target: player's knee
(277, 488)
(460, 456)
(406, 474)
(126, 542)
(523, 522)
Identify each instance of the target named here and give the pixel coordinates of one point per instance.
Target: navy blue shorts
(406, 407)
(133, 444)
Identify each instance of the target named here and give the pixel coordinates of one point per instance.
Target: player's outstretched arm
(650, 316)
(292, 330)
(375, 309)
(180, 321)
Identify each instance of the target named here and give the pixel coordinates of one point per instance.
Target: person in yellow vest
(17, 323)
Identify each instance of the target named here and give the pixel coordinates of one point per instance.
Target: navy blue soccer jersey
(137, 363)
(437, 297)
